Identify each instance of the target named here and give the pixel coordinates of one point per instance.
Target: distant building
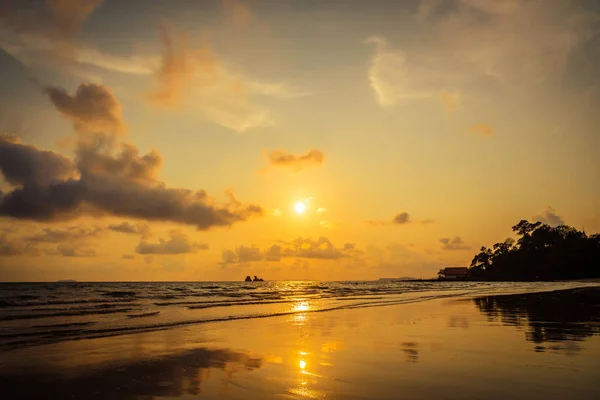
(454, 273)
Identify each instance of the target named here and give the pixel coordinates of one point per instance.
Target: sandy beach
(526, 346)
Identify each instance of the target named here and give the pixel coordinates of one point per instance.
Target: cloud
(56, 19)
(401, 218)
(394, 79)
(487, 36)
(328, 224)
(549, 217)
(427, 221)
(106, 177)
(398, 260)
(242, 254)
(321, 248)
(455, 243)
(21, 164)
(45, 33)
(92, 107)
(281, 158)
(15, 247)
(321, 210)
(128, 257)
(471, 41)
(484, 130)
(179, 243)
(72, 250)
(74, 233)
(450, 100)
(196, 77)
(127, 227)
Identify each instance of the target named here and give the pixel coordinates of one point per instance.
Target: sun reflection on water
(302, 306)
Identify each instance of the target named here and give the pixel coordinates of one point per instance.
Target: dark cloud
(26, 164)
(127, 227)
(282, 158)
(549, 217)
(128, 257)
(49, 235)
(15, 247)
(72, 250)
(401, 218)
(179, 243)
(106, 177)
(427, 221)
(321, 248)
(93, 107)
(455, 243)
(54, 19)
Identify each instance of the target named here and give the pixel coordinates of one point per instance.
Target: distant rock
(248, 279)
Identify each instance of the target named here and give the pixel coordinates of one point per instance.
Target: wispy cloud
(483, 130)
(321, 248)
(549, 217)
(178, 243)
(195, 76)
(455, 243)
(399, 219)
(281, 158)
(132, 228)
(46, 33)
(479, 39)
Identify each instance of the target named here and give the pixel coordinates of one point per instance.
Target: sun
(300, 207)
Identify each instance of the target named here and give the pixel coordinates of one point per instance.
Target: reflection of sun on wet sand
(438, 349)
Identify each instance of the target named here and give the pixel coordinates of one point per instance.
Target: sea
(33, 314)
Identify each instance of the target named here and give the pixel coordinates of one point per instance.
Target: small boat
(256, 279)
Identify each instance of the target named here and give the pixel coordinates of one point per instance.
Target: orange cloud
(196, 77)
(179, 66)
(484, 130)
(455, 243)
(281, 158)
(450, 100)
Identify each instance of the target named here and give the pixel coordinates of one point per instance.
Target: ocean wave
(119, 294)
(148, 314)
(63, 314)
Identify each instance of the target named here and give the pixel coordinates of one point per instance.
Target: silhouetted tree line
(541, 253)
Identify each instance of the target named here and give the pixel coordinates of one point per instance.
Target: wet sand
(542, 345)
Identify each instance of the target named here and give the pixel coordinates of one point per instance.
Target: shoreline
(62, 333)
(362, 353)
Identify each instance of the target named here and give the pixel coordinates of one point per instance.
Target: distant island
(540, 253)
(404, 278)
(256, 279)
(67, 281)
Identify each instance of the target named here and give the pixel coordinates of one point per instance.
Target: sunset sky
(334, 140)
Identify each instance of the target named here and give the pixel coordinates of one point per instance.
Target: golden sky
(210, 140)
